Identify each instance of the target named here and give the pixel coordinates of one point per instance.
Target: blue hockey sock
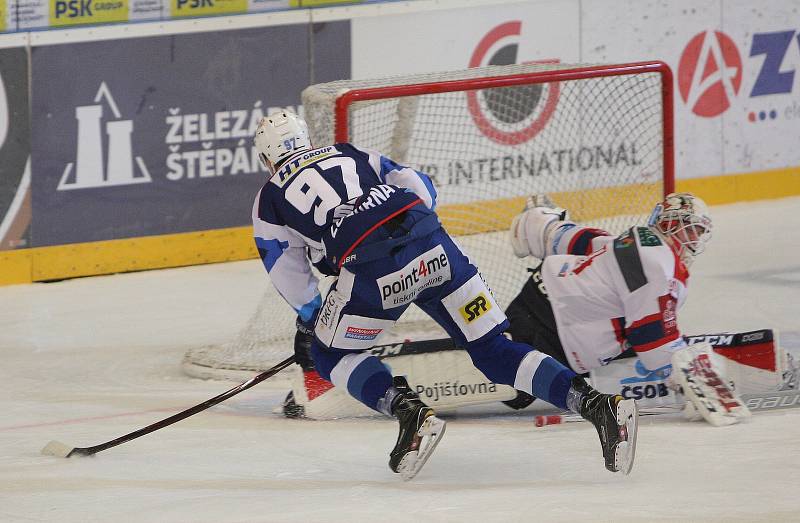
(520, 366)
(363, 375)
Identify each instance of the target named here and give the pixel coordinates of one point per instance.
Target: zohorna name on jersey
(376, 196)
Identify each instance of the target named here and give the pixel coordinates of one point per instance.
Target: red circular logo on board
(710, 73)
(487, 107)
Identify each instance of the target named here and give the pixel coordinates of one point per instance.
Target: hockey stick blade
(61, 450)
(58, 449)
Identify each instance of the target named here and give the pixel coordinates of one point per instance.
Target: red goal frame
(343, 102)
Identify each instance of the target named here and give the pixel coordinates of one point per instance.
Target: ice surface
(88, 360)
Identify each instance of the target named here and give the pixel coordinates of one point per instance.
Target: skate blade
(627, 417)
(431, 432)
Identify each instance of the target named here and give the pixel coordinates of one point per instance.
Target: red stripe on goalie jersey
(655, 330)
(618, 324)
(588, 261)
(581, 241)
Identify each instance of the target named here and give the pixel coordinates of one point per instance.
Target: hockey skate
(616, 421)
(420, 431)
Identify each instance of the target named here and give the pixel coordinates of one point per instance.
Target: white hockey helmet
(278, 136)
(685, 221)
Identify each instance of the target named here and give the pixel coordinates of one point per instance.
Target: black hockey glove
(306, 327)
(302, 343)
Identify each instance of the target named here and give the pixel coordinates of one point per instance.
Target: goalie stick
(757, 402)
(61, 450)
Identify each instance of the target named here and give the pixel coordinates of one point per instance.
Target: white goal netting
(594, 138)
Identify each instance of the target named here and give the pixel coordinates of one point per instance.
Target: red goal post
(349, 98)
(598, 139)
(643, 101)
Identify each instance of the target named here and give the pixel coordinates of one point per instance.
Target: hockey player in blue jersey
(360, 216)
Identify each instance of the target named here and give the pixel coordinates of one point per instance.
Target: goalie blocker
(445, 379)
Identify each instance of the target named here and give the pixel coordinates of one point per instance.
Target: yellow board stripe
(220, 245)
(496, 215)
(130, 254)
(767, 185)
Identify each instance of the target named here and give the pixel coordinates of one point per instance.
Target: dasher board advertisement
(736, 64)
(154, 136)
(15, 149)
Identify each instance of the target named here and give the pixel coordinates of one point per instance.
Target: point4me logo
(711, 69)
(91, 169)
(533, 104)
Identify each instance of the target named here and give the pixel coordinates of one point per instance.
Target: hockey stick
(58, 449)
(757, 402)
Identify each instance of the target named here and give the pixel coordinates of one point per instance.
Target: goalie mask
(278, 136)
(684, 219)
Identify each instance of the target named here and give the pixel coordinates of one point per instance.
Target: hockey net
(596, 139)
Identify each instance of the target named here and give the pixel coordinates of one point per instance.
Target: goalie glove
(699, 378)
(531, 229)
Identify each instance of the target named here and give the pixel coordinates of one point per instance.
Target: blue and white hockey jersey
(295, 210)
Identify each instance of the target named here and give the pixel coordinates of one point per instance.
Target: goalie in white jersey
(595, 296)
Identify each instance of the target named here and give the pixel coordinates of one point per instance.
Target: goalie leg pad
(752, 360)
(699, 378)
